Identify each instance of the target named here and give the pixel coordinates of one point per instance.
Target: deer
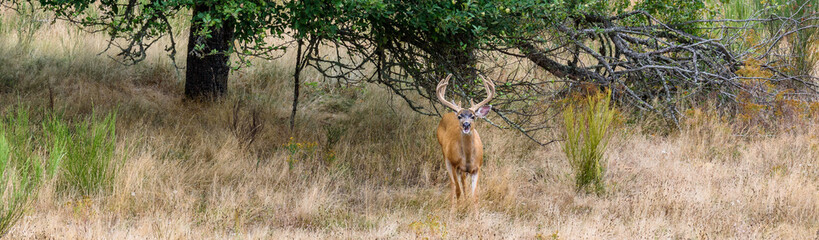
(460, 142)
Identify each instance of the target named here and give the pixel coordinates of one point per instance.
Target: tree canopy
(654, 55)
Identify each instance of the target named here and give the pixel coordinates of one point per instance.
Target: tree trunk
(207, 70)
(300, 57)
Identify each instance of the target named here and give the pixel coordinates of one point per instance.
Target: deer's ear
(483, 111)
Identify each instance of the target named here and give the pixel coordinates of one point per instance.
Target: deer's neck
(468, 144)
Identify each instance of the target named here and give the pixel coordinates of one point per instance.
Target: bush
(587, 125)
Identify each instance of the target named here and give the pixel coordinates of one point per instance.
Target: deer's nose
(467, 125)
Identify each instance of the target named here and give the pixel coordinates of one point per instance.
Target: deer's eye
(459, 116)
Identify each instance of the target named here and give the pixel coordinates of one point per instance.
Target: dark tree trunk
(300, 57)
(207, 70)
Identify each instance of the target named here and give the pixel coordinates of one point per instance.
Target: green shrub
(587, 125)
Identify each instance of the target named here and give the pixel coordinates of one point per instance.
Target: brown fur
(463, 151)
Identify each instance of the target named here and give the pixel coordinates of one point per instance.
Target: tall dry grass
(187, 175)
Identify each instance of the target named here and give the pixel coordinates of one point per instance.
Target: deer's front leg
(474, 187)
(463, 182)
(453, 180)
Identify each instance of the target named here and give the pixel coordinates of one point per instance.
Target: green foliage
(672, 11)
(298, 151)
(88, 166)
(587, 135)
(141, 23)
(677, 14)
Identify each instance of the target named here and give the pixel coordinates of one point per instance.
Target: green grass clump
(79, 158)
(587, 126)
(57, 139)
(20, 171)
(88, 166)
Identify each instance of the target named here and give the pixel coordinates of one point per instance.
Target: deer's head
(467, 116)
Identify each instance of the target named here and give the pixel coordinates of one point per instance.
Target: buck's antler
(490, 93)
(441, 91)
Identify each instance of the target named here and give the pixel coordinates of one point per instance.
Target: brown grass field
(186, 175)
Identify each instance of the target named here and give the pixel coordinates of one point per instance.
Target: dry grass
(187, 176)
